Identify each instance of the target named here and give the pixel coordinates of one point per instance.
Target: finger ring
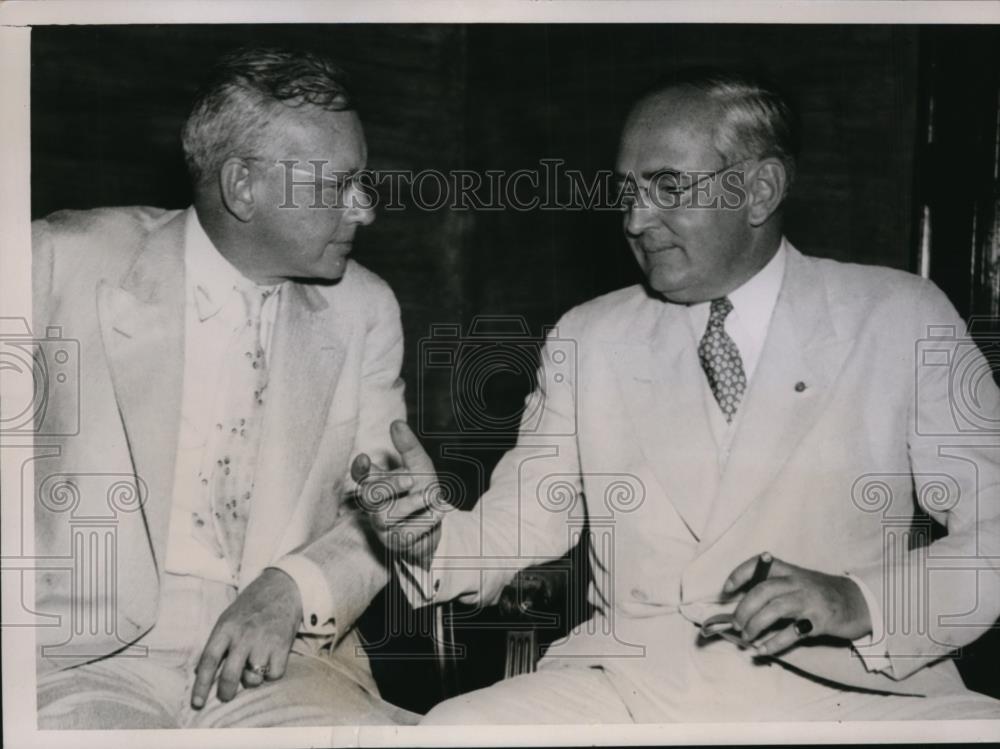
(803, 627)
(259, 670)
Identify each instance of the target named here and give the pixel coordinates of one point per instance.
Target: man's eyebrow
(649, 174)
(345, 174)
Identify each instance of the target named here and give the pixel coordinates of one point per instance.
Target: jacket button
(314, 620)
(639, 594)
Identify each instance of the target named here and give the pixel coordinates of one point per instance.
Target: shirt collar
(754, 301)
(211, 279)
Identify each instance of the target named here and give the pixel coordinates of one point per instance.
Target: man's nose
(360, 206)
(640, 216)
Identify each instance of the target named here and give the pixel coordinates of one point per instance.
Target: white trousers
(154, 691)
(558, 694)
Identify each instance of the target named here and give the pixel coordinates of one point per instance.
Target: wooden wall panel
(562, 92)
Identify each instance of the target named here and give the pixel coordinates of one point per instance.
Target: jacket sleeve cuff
(317, 603)
(872, 647)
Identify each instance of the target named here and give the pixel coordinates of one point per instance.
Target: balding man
(774, 426)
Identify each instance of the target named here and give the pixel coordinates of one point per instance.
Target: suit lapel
(142, 329)
(307, 353)
(801, 359)
(660, 381)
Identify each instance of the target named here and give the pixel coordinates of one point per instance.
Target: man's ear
(766, 190)
(236, 186)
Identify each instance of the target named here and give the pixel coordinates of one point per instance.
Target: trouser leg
(555, 695)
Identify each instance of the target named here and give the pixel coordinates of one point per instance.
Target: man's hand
(401, 505)
(252, 638)
(527, 592)
(833, 605)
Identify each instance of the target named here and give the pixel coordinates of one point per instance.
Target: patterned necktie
(238, 432)
(721, 360)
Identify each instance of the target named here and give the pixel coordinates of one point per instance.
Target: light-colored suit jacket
(860, 409)
(113, 280)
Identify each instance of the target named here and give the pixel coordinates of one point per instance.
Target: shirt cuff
(317, 603)
(871, 648)
(421, 586)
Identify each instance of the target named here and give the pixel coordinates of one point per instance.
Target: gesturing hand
(831, 604)
(254, 636)
(400, 504)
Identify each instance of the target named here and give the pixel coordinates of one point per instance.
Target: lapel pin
(800, 386)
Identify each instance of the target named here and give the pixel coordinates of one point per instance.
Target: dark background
(108, 103)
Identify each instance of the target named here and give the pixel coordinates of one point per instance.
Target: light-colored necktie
(239, 431)
(720, 358)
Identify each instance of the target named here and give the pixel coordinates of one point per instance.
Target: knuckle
(777, 609)
(227, 628)
(740, 617)
(207, 667)
(232, 670)
(275, 644)
(216, 640)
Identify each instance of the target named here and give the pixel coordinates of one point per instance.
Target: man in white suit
(232, 360)
(748, 402)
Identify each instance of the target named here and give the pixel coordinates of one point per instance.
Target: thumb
(415, 458)
(361, 467)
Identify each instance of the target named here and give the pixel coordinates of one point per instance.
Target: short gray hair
(756, 120)
(246, 90)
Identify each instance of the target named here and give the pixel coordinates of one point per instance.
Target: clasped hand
(768, 612)
(402, 505)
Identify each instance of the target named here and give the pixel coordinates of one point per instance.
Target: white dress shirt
(213, 311)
